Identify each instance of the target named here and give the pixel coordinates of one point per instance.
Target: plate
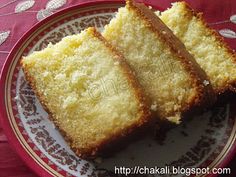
(207, 140)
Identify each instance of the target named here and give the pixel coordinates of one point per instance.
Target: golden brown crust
(231, 86)
(144, 109)
(128, 72)
(92, 152)
(206, 96)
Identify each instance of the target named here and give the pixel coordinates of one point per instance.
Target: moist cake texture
(88, 90)
(208, 48)
(168, 73)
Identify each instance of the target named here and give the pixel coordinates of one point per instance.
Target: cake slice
(208, 48)
(169, 74)
(88, 90)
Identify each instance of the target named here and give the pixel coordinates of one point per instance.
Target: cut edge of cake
(205, 97)
(106, 144)
(190, 12)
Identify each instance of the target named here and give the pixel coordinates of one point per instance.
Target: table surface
(17, 16)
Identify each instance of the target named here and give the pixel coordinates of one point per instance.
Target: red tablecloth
(17, 16)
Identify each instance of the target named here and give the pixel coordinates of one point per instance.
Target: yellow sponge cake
(88, 90)
(208, 48)
(168, 73)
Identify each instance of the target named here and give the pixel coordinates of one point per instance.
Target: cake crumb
(116, 63)
(163, 32)
(205, 82)
(158, 13)
(154, 106)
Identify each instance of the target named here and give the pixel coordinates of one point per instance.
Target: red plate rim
(12, 139)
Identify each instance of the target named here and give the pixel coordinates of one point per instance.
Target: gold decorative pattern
(72, 28)
(54, 149)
